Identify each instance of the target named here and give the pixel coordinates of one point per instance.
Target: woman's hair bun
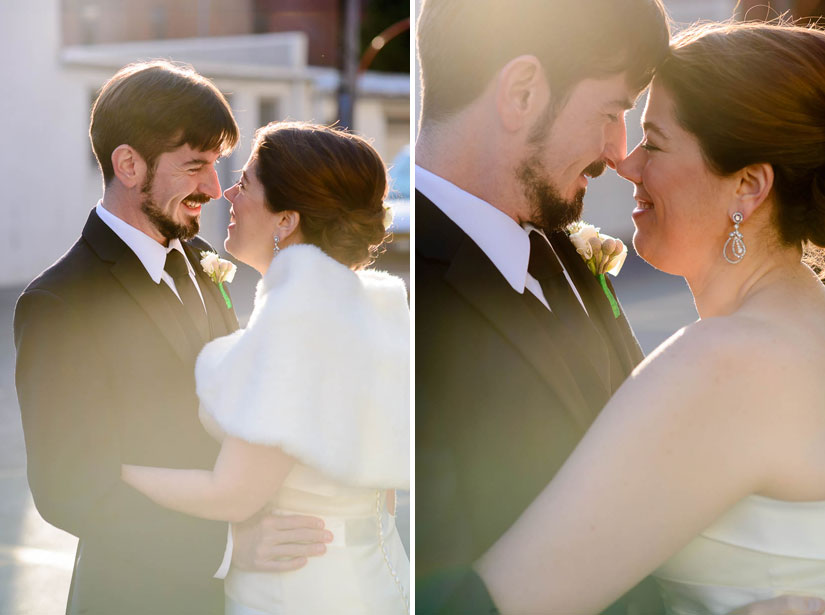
(334, 179)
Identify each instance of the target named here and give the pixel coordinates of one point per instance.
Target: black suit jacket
(105, 376)
(503, 395)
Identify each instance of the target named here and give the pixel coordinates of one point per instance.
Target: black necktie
(176, 267)
(544, 265)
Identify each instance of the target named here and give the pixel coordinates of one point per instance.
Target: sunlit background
(327, 61)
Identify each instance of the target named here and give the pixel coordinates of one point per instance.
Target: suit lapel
(222, 320)
(476, 279)
(131, 274)
(617, 331)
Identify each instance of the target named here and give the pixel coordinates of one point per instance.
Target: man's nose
(615, 149)
(210, 185)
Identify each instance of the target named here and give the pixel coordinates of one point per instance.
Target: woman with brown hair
(311, 400)
(707, 467)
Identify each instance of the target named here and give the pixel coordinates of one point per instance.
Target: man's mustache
(595, 169)
(198, 197)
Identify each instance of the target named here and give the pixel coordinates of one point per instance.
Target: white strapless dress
(760, 549)
(365, 568)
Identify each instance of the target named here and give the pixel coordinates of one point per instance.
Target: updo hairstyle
(755, 93)
(335, 180)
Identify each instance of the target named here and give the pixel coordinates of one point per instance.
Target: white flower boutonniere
(219, 271)
(601, 253)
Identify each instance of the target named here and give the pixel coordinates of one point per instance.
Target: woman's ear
(288, 226)
(755, 182)
(129, 166)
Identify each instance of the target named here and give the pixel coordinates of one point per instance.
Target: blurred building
(58, 53)
(86, 22)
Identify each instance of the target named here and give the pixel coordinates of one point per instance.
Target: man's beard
(163, 222)
(549, 210)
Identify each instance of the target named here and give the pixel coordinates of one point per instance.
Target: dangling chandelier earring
(277, 247)
(735, 245)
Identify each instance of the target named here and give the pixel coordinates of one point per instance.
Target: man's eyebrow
(195, 162)
(652, 127)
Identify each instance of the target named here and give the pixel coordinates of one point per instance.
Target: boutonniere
(601, 253)
(219, 271)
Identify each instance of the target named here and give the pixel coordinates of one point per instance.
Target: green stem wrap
(613, 303)
(225, 296)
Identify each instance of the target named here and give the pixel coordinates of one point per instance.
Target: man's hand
(784, 605)
(269, 542)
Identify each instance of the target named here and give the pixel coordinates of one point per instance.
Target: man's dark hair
(462, 44)
(156, 107)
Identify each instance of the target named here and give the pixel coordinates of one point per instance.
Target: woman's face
(681, 213)
(252, 225)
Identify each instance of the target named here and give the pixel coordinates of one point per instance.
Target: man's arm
(74, 459)
(455, 591)
(72, 444)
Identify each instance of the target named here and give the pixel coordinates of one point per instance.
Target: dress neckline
(781, 527)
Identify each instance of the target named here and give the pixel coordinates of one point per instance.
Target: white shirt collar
(505, 243)
(150, 253)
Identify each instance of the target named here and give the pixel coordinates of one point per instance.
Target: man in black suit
(106, 341)
(517, 347)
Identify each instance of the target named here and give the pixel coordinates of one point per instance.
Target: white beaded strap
(395, 578)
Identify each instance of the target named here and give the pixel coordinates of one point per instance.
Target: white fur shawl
(322, 370)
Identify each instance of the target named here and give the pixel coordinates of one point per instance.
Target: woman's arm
(683, 440)
(244, 479)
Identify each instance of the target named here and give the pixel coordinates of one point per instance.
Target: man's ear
(521, 92)
(129, 166)
(754, 185)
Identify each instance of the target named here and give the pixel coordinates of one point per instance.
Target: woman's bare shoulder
(723, 340)
(737, 360)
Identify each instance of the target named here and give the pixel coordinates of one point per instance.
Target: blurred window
(89, 23)
(269, 110)
(159, 22)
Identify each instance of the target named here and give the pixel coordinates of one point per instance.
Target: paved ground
(36, 559)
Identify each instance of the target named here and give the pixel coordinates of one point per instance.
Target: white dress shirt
(150, 253)
(153, 257)
(502, 239)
